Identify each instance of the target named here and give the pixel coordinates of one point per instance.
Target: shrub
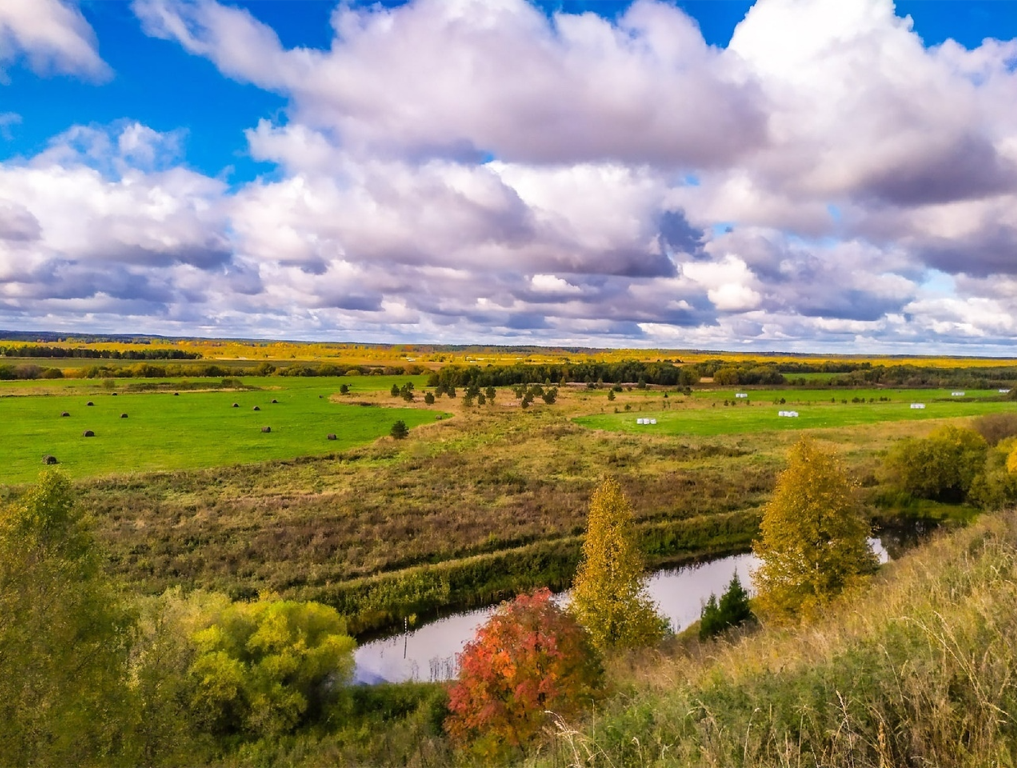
(530, 658)
(941, 466)
(399, 430)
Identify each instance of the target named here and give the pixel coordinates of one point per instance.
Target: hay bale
(88, 433)
(256, 408)
(331, 436)
(266, 429)
(65, 413)
(123, 415)
(47, 459)
(89, 403)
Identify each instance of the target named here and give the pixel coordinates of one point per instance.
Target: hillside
(916, 670)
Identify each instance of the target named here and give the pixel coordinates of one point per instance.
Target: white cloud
(52, 35)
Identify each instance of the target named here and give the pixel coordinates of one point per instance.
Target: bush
(530, 658)
(399, 430)
(266, 667)
(941, 467)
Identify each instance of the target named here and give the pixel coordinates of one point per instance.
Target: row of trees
(155, 353)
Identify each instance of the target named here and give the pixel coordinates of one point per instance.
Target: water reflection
(429, 653)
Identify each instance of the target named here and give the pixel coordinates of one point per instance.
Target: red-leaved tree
(529, 659)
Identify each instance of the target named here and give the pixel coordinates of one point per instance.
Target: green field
(192, 430)
(704, 414)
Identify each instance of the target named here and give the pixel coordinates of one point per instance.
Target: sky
(793, 175)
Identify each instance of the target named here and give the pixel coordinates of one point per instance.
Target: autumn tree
(530, 658)
(609, 595)
(813, 537)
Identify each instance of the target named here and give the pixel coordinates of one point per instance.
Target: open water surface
(428, 652)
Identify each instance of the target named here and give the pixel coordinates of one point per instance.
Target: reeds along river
(429, 652)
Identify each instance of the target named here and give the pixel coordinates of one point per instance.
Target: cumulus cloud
(473, 78)
(479, 170)
(52, 35)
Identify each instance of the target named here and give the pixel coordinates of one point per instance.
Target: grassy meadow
(189, 430)
(721, 413)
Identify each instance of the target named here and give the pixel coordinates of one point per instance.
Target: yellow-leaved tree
(609, 592)
(813, 537)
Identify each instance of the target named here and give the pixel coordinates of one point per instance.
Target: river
(429, 651)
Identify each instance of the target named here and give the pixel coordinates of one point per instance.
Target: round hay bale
(236, 405)
(89, 403)
(47, 459)
(256, 408)
(331, 436)
(274, 400)
(88, 433)
(123, 415)
(65, 413)
(266, 429)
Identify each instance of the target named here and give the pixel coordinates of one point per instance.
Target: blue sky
(787, 174)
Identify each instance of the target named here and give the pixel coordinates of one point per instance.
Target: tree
(266, 667)
(550, 395)
(344, 389)
(395, 390)
(610, 394)
(732, 610)
(65, 636)
(813, 537)
(608, 595)
(399, 430)
(530, 658)
(942, 466)
(428, 398)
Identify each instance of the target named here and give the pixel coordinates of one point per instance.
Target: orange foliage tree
(529, 659)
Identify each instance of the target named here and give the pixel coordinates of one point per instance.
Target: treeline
(626, 371)
(29, 350)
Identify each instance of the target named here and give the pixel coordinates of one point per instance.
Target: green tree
(65, 636)
(428, 398)
(531, 657)
(395, 390)
(266, 667)
(609, 595)
(732, 610)
(813, 537)
(399, 430)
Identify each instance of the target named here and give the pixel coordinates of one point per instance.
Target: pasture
(192, 430)
(705, 414)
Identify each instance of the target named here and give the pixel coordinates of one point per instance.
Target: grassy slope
(916, 670)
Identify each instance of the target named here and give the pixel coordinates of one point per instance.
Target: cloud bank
(475, 170)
